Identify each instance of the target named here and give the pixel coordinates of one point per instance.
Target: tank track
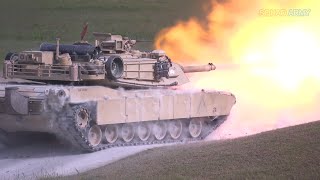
(69, 132)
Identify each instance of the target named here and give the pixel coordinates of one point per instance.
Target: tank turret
(112, 61)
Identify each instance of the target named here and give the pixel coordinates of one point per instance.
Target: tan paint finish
(111, 111)
(137, 106)
(167, 107)
(150, 108)
(132, 109)
(181, 106)
(147, 78)
(139, 70)
(36, 57)
(116, 106)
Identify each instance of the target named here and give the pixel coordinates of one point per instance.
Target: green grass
(289, 153)
(25, 24)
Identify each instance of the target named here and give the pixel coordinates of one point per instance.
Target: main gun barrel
(201, 68)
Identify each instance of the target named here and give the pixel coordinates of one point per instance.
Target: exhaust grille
(36, 106)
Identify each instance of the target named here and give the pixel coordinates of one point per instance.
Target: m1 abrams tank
(105, 95)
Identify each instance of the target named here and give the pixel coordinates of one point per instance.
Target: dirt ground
(45, 159)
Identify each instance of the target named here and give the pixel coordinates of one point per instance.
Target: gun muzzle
(202, 68)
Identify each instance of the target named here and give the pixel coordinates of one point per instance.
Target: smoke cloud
(269, 60)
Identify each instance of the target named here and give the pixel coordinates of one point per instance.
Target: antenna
(84, 31)
(57, 49)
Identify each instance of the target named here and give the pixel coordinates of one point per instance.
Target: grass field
(25, 24)
(289, 153)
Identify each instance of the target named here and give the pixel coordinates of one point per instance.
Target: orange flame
(276, 59)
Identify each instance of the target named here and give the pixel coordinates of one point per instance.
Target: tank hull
(92, 118)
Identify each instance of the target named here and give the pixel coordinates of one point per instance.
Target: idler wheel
(111, 133)
(127, 132)
(175, 129)
(159, 130)
(82, 118)
(195, 128)
(95, 135)
(144, 131)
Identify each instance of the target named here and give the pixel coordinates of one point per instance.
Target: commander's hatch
(109, 43)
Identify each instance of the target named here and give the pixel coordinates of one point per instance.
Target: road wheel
(127, 132)
(94, 135)
(159, 130)
(175, 129)
(144, 131)
(195, 128)
(111, 133)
